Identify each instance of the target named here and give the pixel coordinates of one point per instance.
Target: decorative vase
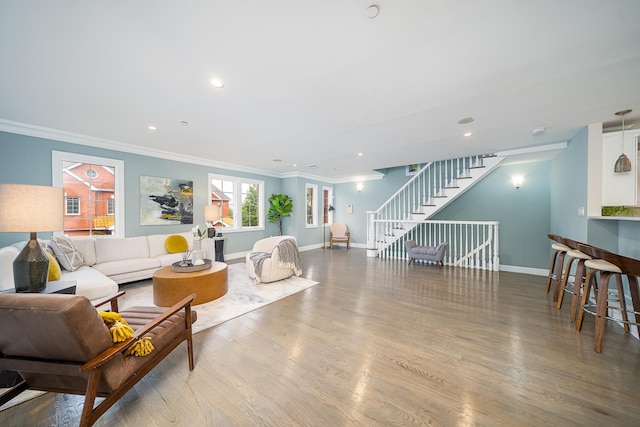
(197, 257)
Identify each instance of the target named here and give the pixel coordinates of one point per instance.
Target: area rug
(242, 297)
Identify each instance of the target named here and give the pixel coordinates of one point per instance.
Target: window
(240, 202)
(327, 200)
(93, 188)
(311, 204)
(72, 205)
(111, 206)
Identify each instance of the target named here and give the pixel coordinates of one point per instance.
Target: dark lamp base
(31, 268)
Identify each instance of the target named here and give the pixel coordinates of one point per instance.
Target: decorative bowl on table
(188, 267)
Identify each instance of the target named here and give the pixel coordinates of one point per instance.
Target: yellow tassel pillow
(54, 268)
(176, 244)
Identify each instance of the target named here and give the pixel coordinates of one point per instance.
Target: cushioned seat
(268, 261)
(339, 233)
(426, 253)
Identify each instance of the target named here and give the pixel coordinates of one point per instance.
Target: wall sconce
(359, 187)
(517, 181)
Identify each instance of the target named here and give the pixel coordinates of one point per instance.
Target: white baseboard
(524, 270)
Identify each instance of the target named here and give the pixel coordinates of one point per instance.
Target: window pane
(250, 203)
(240, 203)
(222, 196)
(88, 189)
(309, 206)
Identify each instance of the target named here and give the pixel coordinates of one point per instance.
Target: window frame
(66, 205)
(236, 202)
(329, 190)
(57, 159)
(314, 206)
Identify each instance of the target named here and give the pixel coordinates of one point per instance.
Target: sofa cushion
(115, 249)
(87, 247)
(156, 243)
(126, 266)
(168, 259)
(176, 243)
(7, 255)
(54, 268)
(67, 252)
(90, 282)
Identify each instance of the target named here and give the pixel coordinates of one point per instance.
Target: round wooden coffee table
(170, 287)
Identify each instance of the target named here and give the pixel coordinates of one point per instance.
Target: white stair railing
(470, 244)
(434, 186)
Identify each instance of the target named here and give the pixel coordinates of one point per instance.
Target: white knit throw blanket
(289, 258)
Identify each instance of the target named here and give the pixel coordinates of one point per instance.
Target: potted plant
(281, 206)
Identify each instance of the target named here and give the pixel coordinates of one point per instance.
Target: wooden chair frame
(93, 368)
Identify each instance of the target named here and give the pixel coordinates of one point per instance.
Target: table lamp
(211, 214)
(31, 208)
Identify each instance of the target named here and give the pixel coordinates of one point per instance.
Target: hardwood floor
(381, 343)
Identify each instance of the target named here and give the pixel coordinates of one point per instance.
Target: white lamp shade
(31, 208)
(211, 213)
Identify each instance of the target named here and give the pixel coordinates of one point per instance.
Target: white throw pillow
(67, 252)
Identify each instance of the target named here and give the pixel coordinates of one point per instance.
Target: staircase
(430, 190)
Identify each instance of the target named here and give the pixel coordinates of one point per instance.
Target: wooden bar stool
(557, 261)
(581, 257)
(603, 264)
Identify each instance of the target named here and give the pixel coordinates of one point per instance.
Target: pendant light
(623, 164)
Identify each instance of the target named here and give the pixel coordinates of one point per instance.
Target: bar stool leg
(589, 282)
(601, 310)
(560, 285)
(575, 294)
(552, 266)
(558, 275)
(635, 296)
(623, 303)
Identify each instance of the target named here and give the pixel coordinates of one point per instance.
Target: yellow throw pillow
(176, 244)
(54, 268)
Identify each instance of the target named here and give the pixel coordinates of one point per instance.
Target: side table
(219, 245)
(57, 287)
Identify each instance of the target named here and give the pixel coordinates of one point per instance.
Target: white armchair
(272, 264)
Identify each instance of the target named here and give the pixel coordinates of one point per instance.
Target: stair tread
(428, 205)
(476, 167)
(451, 188)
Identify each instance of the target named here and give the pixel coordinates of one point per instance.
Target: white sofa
(108, 261)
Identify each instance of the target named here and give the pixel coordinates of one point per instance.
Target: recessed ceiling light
(277, 160)
(184, 123)
(295, 165)
(538, 131)
(312, 165)
(465, 120)
(217, 83)
(152, 127)
(372, 11)
(468, 134)
(360, 154)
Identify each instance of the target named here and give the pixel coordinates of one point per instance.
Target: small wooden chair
(339, 234)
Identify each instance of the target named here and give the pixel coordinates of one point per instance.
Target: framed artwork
(165, 201)
(412, 169)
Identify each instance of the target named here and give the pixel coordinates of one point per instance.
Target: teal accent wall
(27, 160)
(524, 213)
(569, 189)
(548, 201)
(374, 193)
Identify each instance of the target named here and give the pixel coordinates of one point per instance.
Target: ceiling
(315, 83)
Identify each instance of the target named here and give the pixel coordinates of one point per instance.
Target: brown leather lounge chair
(59, 343)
